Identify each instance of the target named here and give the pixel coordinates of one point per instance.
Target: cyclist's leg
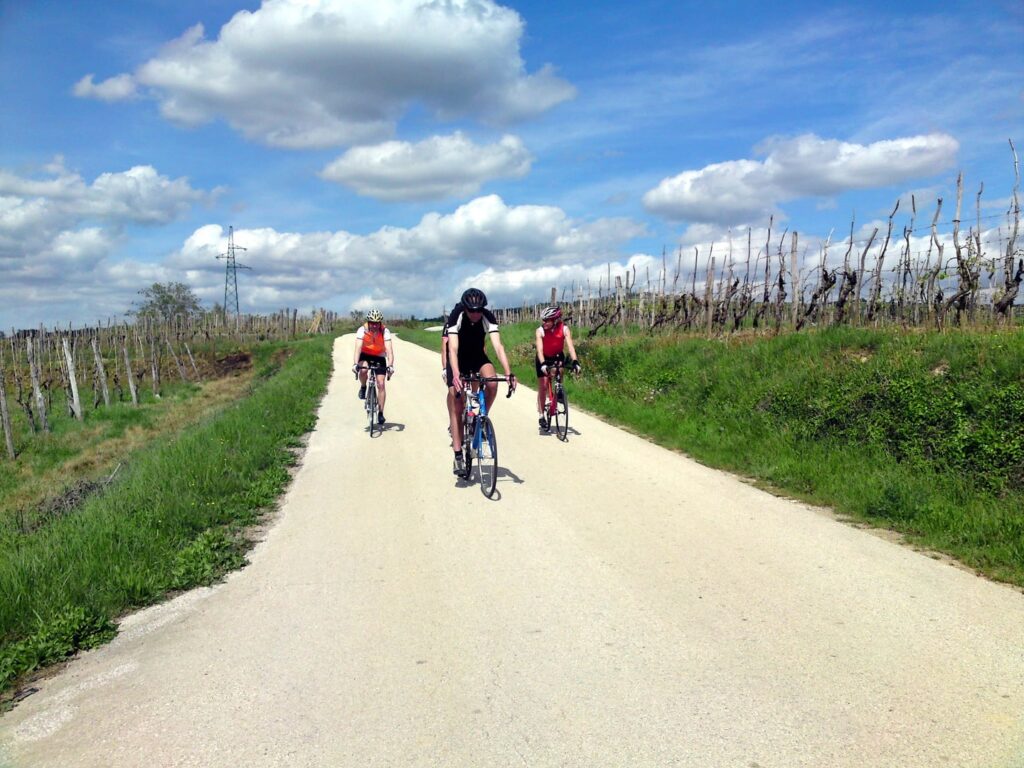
(382, 393)
(542, 387)
(363, 368)
(454, 414)
(491, 390)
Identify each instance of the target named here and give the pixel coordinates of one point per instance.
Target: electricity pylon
(231, 275)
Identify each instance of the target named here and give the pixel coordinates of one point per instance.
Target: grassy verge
(53, 470)
(172, 520)
(919, 433)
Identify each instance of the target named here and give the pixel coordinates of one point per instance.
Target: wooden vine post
(5, 416)
(101, 372)
(708, 296)
(76, 401)
(33, 369)
(794, 279)
(154, 364)
(1011, 279)
(177, 361)
(129, 373)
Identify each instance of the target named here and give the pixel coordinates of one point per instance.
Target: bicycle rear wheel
(371, 406)
(561, 415)
(487, 457)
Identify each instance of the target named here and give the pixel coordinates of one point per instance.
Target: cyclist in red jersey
(552, 337)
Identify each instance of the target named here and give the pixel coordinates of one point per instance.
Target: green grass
(919, 433)
(174, 519)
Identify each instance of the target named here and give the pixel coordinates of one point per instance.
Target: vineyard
(948, 278)
(47, 374)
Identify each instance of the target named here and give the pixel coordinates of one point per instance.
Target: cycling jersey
(553, 341)
(472, 337)
(373, 341)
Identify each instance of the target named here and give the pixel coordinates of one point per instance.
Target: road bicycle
(370, 401)
(556, 402)
(479, 443)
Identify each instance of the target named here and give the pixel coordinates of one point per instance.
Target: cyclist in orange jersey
(551, 338)
(373, 347)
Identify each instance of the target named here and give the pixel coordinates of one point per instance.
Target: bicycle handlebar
(478, 377)
(376, 370)
(562, 365)
(471, 377)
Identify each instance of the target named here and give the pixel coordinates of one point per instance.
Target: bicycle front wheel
(371, 406)
(467, 443)
(487, 457)
(562, 415)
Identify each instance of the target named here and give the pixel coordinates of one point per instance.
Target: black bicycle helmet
(474, 299)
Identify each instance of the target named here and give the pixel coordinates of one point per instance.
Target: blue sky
(392, 152)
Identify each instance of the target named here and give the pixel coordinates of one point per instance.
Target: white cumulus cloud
(117, 88)
(322, 73)
(57, 231)
(438, 167)
(418, 267)
(740, 191)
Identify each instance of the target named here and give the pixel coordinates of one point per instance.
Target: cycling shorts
(379, 362)
(473, 367)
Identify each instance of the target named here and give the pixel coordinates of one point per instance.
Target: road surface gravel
(616, 604)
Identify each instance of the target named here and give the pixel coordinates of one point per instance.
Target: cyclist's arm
(569, 344)
(453, 360)
(389, 352)
(359, 348)
(538, 342)
(499, 350)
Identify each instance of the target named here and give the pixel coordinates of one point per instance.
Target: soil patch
(233, 365)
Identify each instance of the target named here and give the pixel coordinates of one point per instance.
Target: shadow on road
(552, 433)
(388, 426)
(504, 474)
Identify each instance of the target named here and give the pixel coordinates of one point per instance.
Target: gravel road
(615, 605)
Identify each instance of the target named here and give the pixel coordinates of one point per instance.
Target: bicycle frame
(477, 430)
(474, 405)
(371, 399)
(556, 409)
(554, 380)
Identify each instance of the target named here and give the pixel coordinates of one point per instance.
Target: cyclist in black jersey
(468, 327)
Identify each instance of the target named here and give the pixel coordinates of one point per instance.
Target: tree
(165, 301)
